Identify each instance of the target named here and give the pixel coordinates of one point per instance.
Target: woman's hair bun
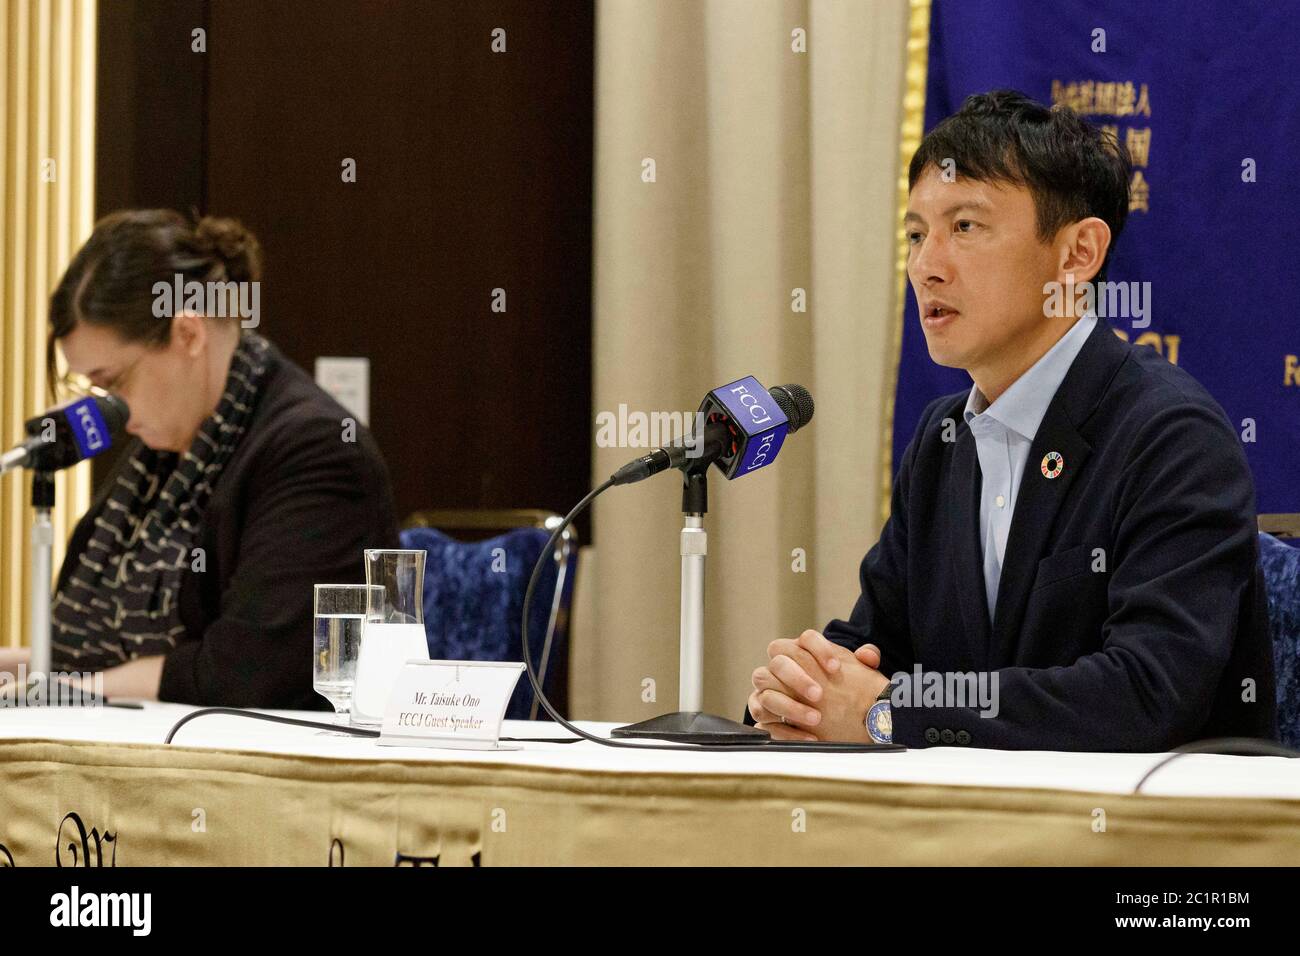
(236, 247)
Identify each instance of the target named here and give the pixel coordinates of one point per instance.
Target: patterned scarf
(121, 600)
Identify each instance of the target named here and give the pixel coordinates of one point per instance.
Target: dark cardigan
(294, 506)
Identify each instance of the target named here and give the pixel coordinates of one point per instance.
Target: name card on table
(457, 704)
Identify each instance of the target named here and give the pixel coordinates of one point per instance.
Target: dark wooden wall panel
(149, 105)
(149, 115)
(473, 173)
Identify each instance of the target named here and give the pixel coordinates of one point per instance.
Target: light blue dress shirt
(1004, 433)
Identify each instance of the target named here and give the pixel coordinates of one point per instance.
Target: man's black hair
(1072, 169)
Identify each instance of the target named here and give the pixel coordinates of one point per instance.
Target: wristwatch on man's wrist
(879, 720)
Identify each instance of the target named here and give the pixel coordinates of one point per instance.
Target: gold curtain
(47, 153)
(775, 133)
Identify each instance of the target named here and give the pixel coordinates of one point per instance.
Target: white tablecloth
(1193, 775)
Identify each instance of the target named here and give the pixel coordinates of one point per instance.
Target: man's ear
(1083, 248)
(190, 333)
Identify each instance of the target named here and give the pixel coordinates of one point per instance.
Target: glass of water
(340, 616)
(394, 630)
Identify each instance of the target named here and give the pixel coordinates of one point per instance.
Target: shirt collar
(1022, 406)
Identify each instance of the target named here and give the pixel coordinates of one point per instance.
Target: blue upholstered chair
(474, 595)
(1281, 566)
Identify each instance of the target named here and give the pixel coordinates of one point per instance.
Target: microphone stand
(691, 724)
(42, 552)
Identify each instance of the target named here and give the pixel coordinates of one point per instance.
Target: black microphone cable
(273, 718)
(1237, 746)
(321, 725)
(796, 746)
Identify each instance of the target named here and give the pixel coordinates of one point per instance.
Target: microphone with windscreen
(67, 434)
(61, 437)
(740, 428)
(744, 427)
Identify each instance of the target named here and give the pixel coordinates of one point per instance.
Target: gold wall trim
(47, 88)
(911, 130)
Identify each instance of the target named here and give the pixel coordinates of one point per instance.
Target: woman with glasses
(190, 578)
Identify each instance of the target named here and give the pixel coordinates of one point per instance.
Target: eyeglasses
(80, 385)
(117, 384)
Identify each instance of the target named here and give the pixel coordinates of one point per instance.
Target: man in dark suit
(1070, 562)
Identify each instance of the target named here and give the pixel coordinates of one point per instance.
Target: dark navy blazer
(1157, 639)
